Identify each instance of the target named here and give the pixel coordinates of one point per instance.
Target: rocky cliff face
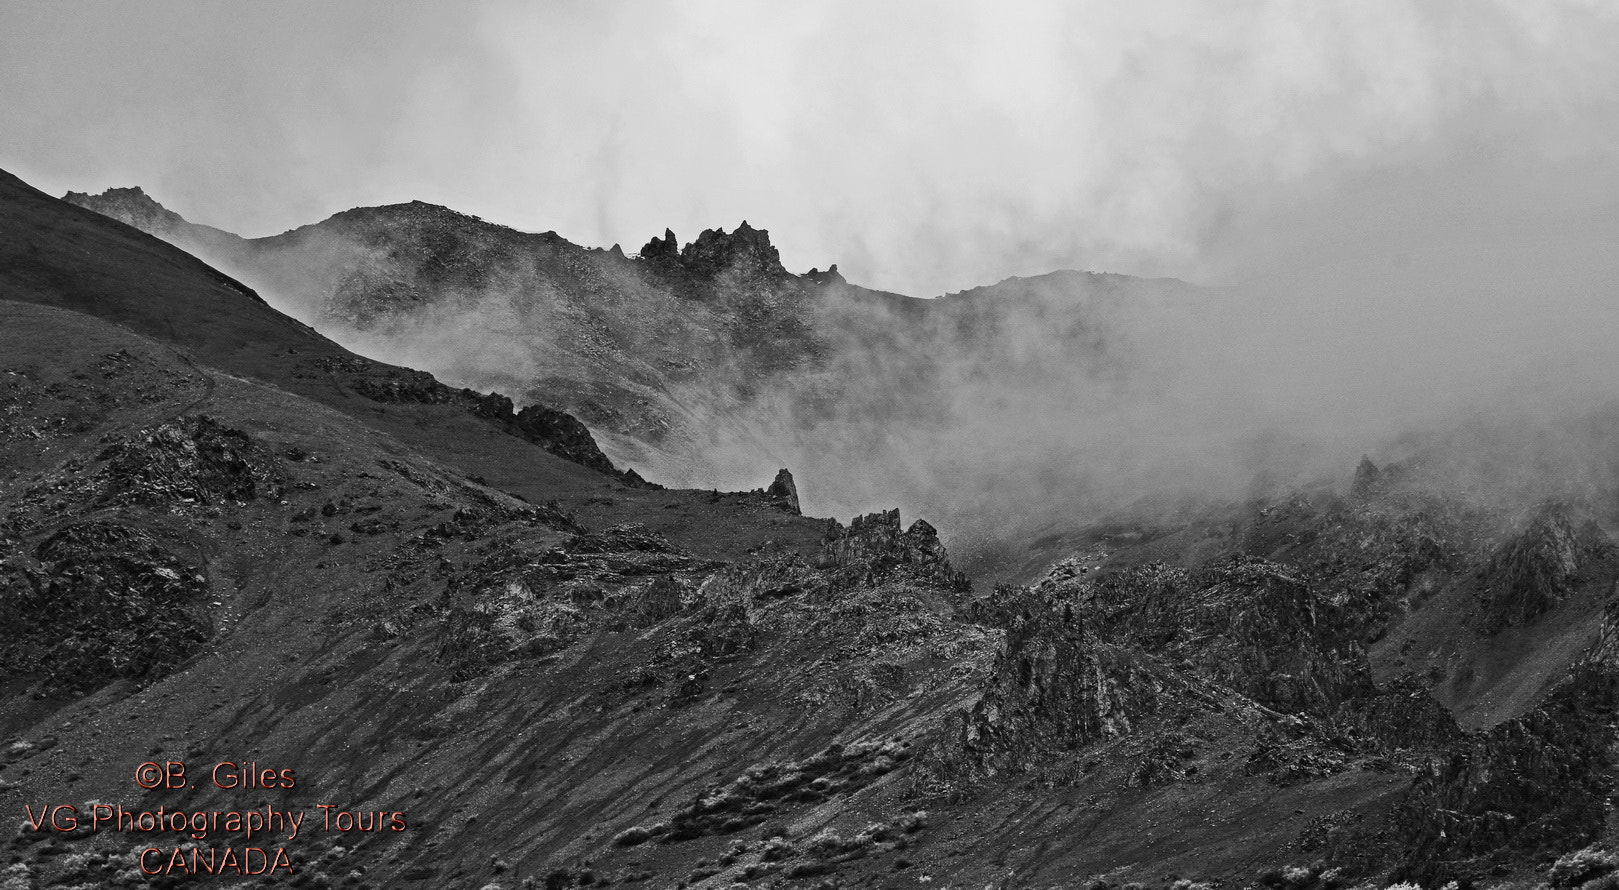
(1538, 782)
(1129, 669)
(1055, 688)
(1539, 568)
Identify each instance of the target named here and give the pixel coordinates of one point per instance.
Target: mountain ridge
(561, 678)
(701, 364)
(133, 206)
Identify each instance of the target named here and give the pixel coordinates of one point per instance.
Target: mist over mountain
(1009, 412)
(717, 445)
(225, 537)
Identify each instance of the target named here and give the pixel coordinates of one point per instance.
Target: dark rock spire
(784, 492)
(665, 248)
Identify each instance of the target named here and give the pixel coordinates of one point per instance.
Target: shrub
(734, 852)
(777, 849)
(17, 877)
(874, 833)
(826, 844)
(1575, 868)
(1297, 876)
(807, 869)
(631, 836)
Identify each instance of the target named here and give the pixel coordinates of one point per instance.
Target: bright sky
(923, 146)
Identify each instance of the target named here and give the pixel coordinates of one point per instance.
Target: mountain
(228, 540)
(708, 364)
(618, 339)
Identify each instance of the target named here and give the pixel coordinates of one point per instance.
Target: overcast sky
(925, 147)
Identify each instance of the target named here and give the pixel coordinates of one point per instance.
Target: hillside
(708, 364)
(624, 343)
(226, 539)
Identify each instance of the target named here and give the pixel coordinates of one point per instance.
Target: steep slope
(624, 343)
(709, 364)
(255, 578)
(56, 254)
(61, 257)
(556, 677)
(206, 569)
(134, 208)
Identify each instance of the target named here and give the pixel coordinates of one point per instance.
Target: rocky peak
(785, 492)
(665, 248)
(1368, 479)
(875, 546)
(131, 206)
(746, 252)
(1534, 571)
(830, 276)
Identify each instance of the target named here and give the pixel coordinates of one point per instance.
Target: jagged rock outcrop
(1534, 571)
(1368, 479)
(98, 601)
(742, 256)
(559, 433)
(1539, 782)
(192, 459)
(830, 276)
(782, 493)
(661, 600)
(665, 249)
(873, 547)
(870, 553)
(1253, 625)
(517, 603)
(1400, 716)
(745, 253)
(556, 431)
(1054, 687)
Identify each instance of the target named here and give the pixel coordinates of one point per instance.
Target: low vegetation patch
(761, 791)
